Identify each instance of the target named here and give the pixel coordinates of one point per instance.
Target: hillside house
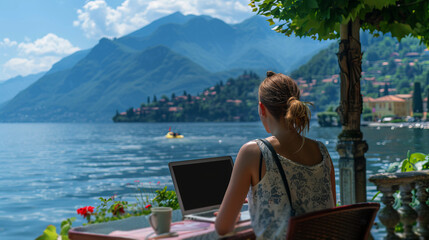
(399, 105)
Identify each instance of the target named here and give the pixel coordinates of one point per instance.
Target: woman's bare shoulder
(249, 152)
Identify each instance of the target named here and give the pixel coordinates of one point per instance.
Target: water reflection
(60, 167)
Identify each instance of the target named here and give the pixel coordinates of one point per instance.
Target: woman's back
(308, 167)
(309, 183)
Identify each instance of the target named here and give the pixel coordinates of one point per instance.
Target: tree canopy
(321, 19)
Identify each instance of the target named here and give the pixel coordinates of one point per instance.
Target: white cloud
(49, 44)
(8, 43)
(25, 66)
(35, 56)
(97, 19)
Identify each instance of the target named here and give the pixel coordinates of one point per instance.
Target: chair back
(344, 222)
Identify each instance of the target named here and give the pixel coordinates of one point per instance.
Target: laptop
(200, 186)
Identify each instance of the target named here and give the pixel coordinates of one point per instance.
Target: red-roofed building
(327, 80)
(412, 54)
(236, 102)
(175, 109)
(389, 105)
(394, 54)
(182, 98)
(376, 83)
(391, 90)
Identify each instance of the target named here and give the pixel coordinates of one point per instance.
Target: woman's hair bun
(270, 73)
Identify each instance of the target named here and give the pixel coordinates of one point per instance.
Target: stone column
(388, 216)
(423, 209)
(351, 146)
(407, 213)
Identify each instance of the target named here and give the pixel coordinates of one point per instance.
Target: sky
(36, 34)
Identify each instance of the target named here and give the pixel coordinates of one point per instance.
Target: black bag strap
(260, 166)
(282, 173)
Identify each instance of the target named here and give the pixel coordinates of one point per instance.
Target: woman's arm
(238, 187)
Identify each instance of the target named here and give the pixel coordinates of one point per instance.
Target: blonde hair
(280, 95)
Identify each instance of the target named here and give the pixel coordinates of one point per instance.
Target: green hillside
(234, 100)
(384, 62)
(398, 65)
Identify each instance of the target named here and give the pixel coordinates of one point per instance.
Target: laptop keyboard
(206, 214)
(211, 213)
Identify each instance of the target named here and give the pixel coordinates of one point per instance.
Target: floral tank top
(310, 188)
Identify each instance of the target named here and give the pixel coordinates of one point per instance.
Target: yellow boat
(173, 135)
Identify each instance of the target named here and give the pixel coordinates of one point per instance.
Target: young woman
(307, 165)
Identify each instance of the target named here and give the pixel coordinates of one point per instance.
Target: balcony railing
(406, 182)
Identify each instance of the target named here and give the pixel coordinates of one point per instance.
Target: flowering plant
(147, 197)
(86, 212)
(109, 209)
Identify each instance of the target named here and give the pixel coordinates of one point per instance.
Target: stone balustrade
(388, 184)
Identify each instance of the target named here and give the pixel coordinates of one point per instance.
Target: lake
(49, 170)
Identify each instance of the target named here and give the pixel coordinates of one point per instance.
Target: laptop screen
(202, 183)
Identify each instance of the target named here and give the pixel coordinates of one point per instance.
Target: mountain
(172, 54)
(11, 87)
(218, 46)
(111, 77)
(176, 17)
(69, 61)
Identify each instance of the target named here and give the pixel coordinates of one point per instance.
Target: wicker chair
(345, 222)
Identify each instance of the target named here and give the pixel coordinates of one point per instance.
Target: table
(139, 228)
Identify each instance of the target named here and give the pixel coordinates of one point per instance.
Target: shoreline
(419, 125)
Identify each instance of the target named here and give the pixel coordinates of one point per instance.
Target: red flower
(85, 211)
(148, 206)
(158, 182)
(119, 208)
(90, 209)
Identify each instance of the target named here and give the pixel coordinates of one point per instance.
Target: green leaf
(311, 4)
(407, 166)
(271, 21)
(400, 30)
(50, 233)
(417, 157)
(379, 4)
(373, 198)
